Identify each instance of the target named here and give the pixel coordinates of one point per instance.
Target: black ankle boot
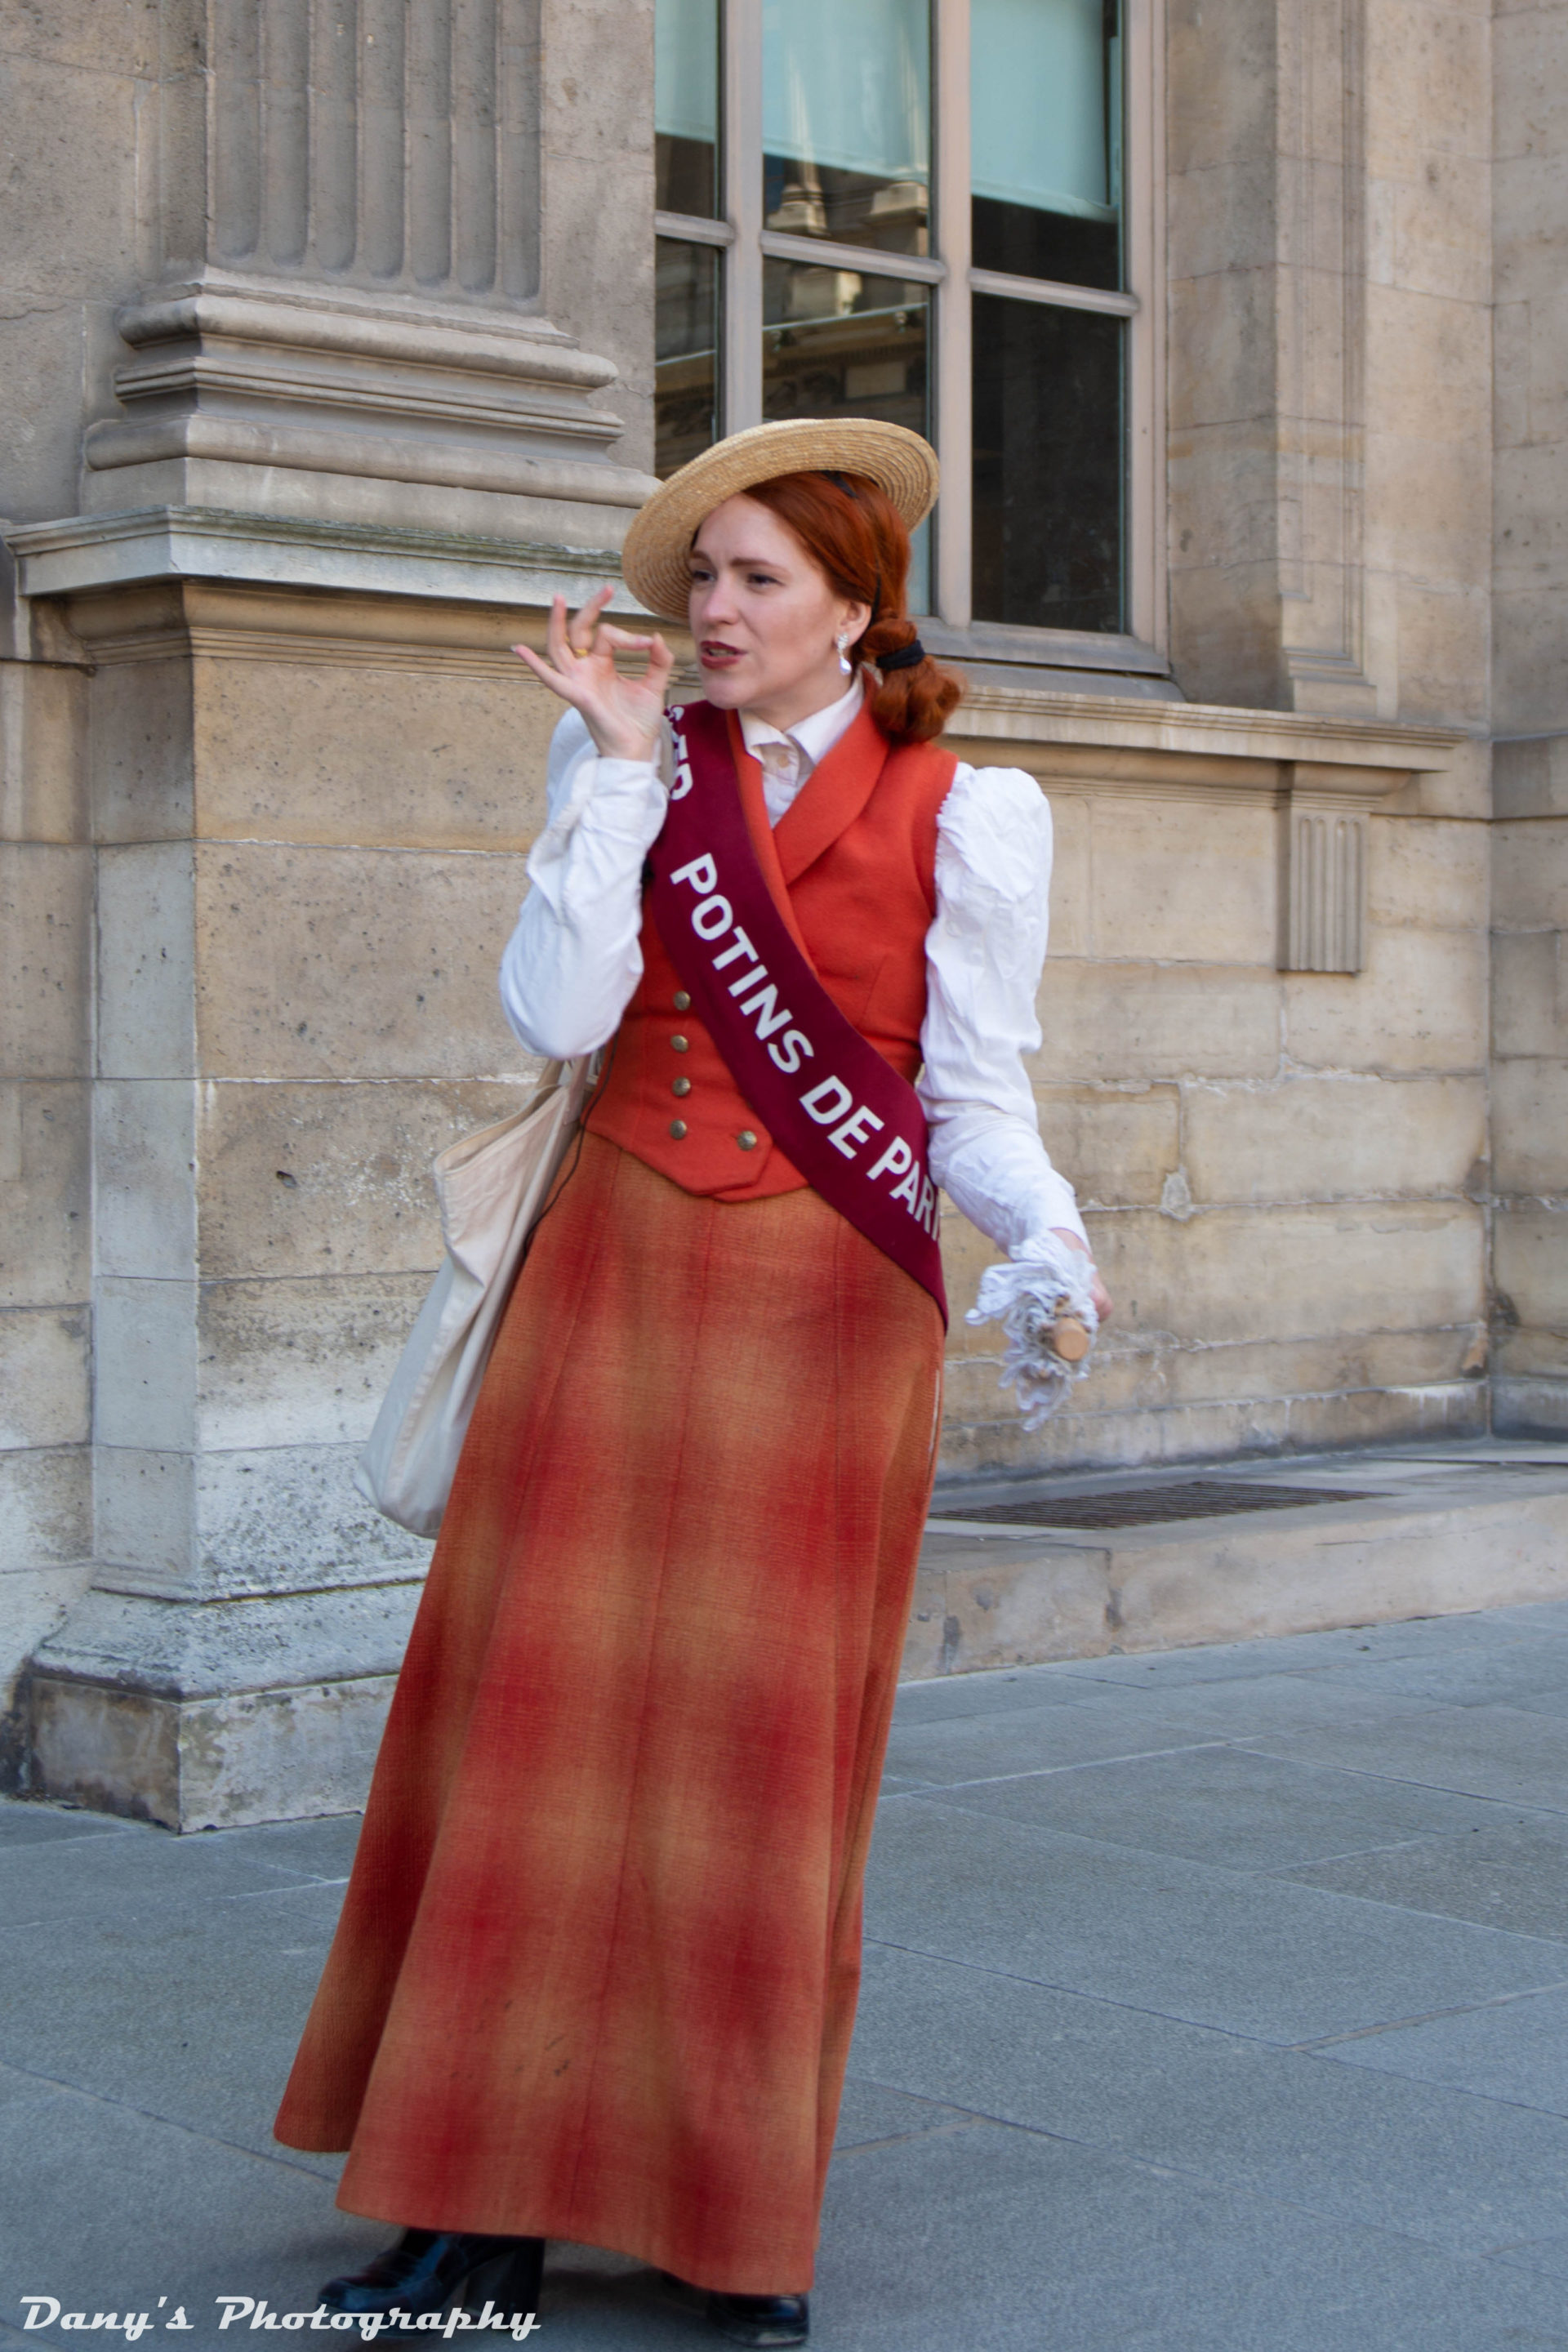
(428, 2269)
(761, 2319)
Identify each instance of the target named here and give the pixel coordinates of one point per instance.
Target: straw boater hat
(658, 544)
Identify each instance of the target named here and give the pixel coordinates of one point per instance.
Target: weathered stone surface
(428, 756)
(1116, 1145)
(46, 1240)
(1421, 1004)
(1431, 873)
(301, 1362)
(331, 1181)
(46, 946)
(1530, 1259)
(1328, 1138)
(43, 747)
(46, 1508)
(1530, 992)
(1530, 875)
(44, 1376)
(1171, 882)
(1142, 1020)
(146, 968)
(1529, 1101)
(349, 963)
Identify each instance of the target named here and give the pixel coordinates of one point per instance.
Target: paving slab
(1230, 1806)
(1512, 1873)
(1212, 2003)
(1464, 2173)
(1498, 1751)
(1260, 1957)
(1520, 2060)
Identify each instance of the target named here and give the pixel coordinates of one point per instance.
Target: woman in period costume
(599, 1961)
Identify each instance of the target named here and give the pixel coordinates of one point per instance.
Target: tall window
(914, 209)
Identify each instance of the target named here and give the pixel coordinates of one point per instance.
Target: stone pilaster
(340, 444)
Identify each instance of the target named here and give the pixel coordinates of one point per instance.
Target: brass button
(746, 1139)
(680, 1043)
(682, 1087)
(677, 1129)
(682, 1001)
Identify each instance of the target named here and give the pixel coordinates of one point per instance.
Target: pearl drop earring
(842, 641)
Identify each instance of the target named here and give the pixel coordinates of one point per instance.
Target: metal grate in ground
(1193, 1499)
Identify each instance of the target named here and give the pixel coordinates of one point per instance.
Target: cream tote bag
(492, 1187)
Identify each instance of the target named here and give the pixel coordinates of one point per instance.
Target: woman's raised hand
(623, 714)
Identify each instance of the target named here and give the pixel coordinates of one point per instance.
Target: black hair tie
(906, 657)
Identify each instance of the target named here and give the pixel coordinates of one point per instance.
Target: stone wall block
(146, 967)
(1420, 1004)
(1222, 217)
(69, 203)
(1438, 241)
(353, 963)
(143, 1515)
(1529, 1259)
(1531, 777)
(144, 1152)
(143, 753)
(318, 1181)
(1529, 1110)
(299, 1363)
(1295, 1273)
(1433, 511)
(1445, 651)
(1115, 1147)
(1223, 366)
(1426, 69)
(1530, 876)
(1169, 883)
(45, 951)
(1221, 104)
(145, 1339)
(44, 1371)
(43, 752)
(46, 1509)
(46, 1240)
(1430, 874)
(1331, 1138)
(1428, 364)
(1142, 1022)
(42, 346)
(414, 758)
(1530, 992)
(275, 1518)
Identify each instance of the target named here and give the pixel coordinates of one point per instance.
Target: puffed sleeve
(985, 952)
(571, 965)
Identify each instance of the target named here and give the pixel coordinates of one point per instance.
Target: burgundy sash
(845, 1119)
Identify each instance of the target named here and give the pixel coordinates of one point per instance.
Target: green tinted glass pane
(846, 121)
(1045, 132)
(686, 108)
(686, 352)
(1049, 528)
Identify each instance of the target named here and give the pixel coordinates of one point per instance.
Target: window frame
(744, 244)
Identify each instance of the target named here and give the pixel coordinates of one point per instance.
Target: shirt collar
(812, 737)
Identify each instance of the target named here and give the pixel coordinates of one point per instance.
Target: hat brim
(656, 557)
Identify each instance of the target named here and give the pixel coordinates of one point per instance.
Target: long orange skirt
(597, 1965)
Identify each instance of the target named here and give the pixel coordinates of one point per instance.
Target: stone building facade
(327, 346)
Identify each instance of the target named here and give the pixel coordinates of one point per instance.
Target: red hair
(856, 533)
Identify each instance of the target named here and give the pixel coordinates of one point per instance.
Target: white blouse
(571, 964)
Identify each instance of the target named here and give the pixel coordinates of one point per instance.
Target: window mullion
(953, 385)
(741, 83)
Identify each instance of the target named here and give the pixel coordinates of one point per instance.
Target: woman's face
(765, 618)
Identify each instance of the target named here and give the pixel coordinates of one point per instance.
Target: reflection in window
(686, 354)
(1045, 132)
(846, 121)
(686, 108)
(1047, 466)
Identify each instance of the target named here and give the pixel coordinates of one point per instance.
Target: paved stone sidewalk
(1215, 2002)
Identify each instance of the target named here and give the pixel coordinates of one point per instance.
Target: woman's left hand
(1097, 1291)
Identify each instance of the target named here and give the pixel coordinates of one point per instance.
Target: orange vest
(852, 867)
